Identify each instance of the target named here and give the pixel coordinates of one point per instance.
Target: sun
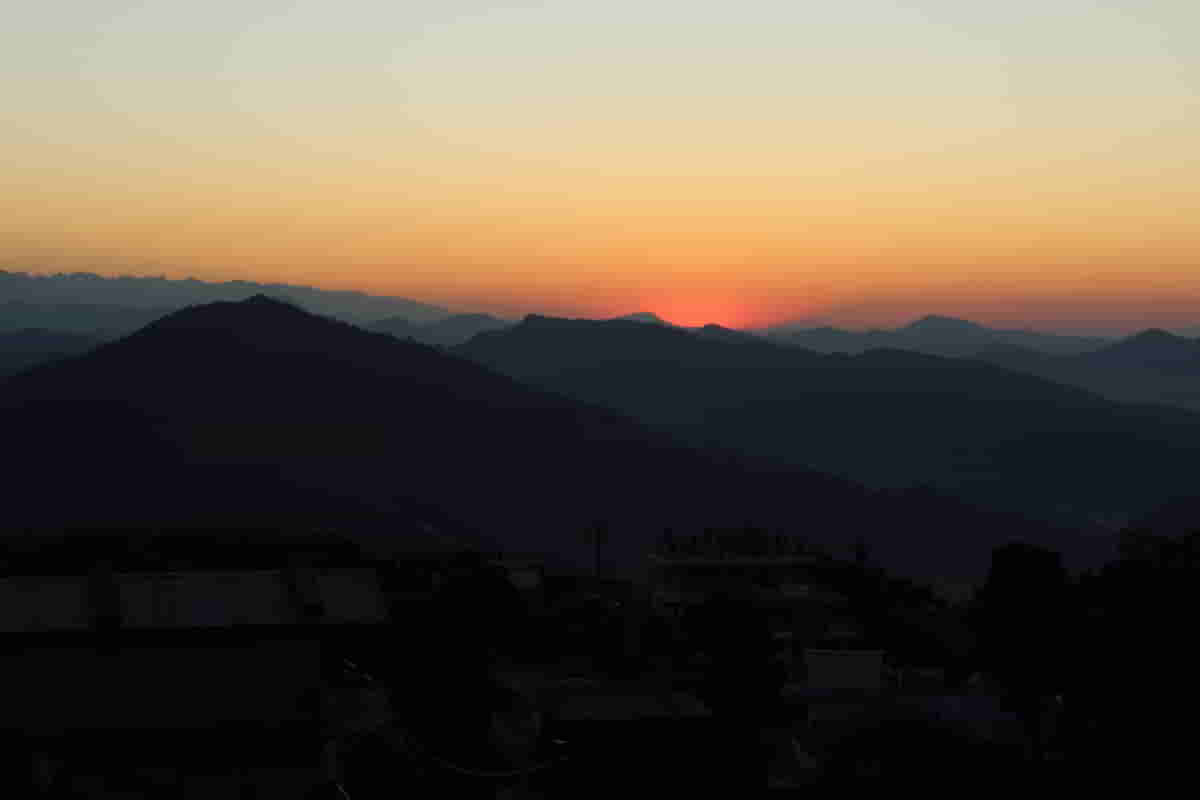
(737, 309)
(695, 312)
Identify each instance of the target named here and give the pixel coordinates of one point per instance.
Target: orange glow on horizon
(733, 308)
(695, 314)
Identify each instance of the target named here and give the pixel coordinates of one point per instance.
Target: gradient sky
(858, 161)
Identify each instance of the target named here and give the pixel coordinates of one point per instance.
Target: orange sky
(861, 162)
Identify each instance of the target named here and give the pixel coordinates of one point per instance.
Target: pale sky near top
(737, 161)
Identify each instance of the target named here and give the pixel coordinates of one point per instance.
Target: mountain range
(83, 319)
(1153, 366)
(1152, 349)
(84, 302)
(888, 418)
(934, 335)
(241, 409)
(526, 432)
(1150, 367)
(461, 328)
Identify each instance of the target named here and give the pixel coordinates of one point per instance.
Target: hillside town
(181, 665)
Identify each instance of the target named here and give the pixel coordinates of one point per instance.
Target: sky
(859, 162)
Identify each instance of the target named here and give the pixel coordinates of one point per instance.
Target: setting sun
(691, 312)
(732, 309)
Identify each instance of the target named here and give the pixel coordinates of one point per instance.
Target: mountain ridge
(161, 295)
(884, 416)
(933, 334)
(255, 406)
(445, 332)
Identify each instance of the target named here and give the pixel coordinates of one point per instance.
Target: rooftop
(193, 599)
(725, 545)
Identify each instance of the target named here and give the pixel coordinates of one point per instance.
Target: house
(782, 575)
(133, 678)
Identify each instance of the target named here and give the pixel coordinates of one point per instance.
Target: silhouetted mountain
(1150, 367)
(252, 407)
(1014, 356)
(460, 328)
(723, 334)
(933, 335)
(933, 324)
(161, 295)
(827, 339)
(441, 333)
(1154, 349)
(886, 417)
(399, 327)
(24, 348)
(101, 321)
(644, 316)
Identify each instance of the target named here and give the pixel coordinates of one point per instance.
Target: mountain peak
(265, 300)
(934, 323)
(541, 319)
(259, 323)
(1155, 335)
(1157, 343)
(648, 317)
(259, 308)
(1154, 347)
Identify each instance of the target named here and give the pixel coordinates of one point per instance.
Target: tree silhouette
(742, 680)
(1143, 662)
(1020, 618)
(476, 613)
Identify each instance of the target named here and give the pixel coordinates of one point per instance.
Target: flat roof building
(133, 681)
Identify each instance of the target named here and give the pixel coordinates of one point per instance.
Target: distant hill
(723, 334)
(933, 335)
(87, 319)
(446, 332)
(399, 327)
(460, 328)
(885, 417)
(22, 349)
(244, 409)
(1153, 349)
(1149, 367)
(644, 316)
(157, 296)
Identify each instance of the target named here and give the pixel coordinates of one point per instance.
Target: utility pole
(598, 538)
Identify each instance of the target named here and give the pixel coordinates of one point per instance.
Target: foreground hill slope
(21, 349)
